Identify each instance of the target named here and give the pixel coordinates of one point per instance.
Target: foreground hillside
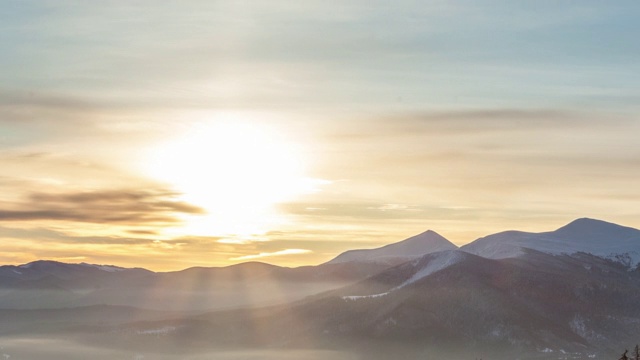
(537, 304)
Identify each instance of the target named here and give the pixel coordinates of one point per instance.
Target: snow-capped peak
(413, 247)
(591, 236)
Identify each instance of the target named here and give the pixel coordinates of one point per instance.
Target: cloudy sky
(170, 134)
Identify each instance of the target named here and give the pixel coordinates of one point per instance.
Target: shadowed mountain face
(50, 284)
(534, 305)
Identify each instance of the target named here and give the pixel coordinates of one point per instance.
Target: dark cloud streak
(124, 207)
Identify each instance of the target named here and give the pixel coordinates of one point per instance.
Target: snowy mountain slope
(437, 262)
(591, 236)
(413, 247)
(398, 277)
(413, 271)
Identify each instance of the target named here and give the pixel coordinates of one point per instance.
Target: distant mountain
(534, 306)
(591, 236)
(50, 284)
(64, 271)
(396, 253)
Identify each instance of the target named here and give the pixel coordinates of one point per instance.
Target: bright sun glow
(236, 170)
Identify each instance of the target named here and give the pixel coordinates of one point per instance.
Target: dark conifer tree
(624, 355)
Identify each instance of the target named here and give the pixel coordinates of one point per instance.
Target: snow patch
(437, 262)
(107, 268)
(358, 297)
(442, 261)
(579, 326)
(160, 331)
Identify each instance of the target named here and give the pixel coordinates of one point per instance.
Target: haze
(175, 134)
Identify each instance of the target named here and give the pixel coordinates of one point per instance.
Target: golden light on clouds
(234, 167)
(271, 254)
(165, 135)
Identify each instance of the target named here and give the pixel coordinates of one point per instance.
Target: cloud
(29, 244)
(271, 254)
(60, 237)
(355, 210)
(20, 100)
(124, 207)
(472, 123)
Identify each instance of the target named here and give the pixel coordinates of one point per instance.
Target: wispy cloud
(356, 210)
(125, 206)
(53, 236)
(21, 245)
(446, 116)
(271, 254)
(471, 123)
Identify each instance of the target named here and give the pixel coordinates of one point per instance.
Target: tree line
(635, 356)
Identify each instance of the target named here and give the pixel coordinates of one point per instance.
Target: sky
(171, 134)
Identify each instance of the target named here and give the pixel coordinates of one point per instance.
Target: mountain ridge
(597, 237)
(46, 283)
(415, 246)
(553, 302)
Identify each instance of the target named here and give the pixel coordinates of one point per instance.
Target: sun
(235, 168)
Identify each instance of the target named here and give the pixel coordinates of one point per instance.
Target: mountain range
(569, 293)
(397, 253)
(596, 237)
